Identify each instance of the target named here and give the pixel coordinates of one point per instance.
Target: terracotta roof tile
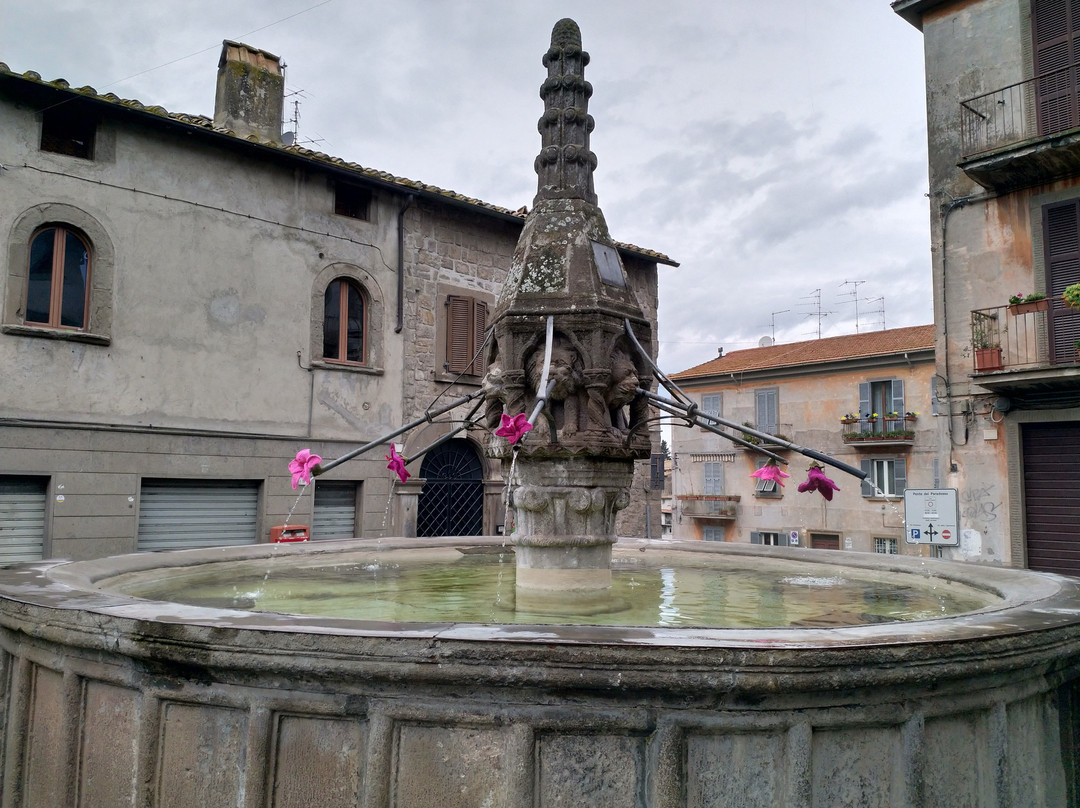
(207, 124)
(829, 349)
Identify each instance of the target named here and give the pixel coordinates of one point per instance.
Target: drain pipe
(401, 263)
(946, 211)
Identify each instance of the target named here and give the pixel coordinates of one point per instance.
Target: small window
(68, 129)
(352, 201)
(343, 322)
(765, 488)
(711, 533)
(766, 537)
(885, 477)
(466, 326)
(656, 471)
(58, 280)
(885, 546)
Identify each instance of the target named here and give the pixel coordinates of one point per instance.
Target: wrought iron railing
(1012, 337)
(1037, 107)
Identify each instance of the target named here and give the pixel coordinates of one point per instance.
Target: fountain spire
(565, 164)
(572, 473)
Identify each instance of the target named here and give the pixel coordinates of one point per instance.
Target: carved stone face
(565, 371)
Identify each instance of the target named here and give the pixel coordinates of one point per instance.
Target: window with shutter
(767, 409)
(714, 478)
(1056, 33)
(1061, 229)
(466, 326)
(885, 477)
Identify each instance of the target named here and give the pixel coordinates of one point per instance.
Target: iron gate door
(452, 501)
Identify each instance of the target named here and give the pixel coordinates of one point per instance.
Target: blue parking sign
(915, 533)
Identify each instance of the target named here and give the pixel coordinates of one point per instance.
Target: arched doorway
(452, 500)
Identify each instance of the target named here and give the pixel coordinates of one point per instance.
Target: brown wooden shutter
(480, 315)
(1056, 33)
(457, 333)
(466, 324)
(1061, 225)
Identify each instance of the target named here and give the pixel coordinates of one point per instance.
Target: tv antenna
(854, 295)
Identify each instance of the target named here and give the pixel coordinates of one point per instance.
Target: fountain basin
(112, 700)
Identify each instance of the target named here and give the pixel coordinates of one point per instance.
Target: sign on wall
(932, 516)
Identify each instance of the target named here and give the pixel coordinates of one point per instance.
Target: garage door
(1052, 496)
(334, 515)
(178, 514)
(22, 519)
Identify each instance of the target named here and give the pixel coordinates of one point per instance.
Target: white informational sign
(932, 516)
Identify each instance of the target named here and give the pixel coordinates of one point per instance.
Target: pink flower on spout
(817, 481)
(513, 428)
(397, 464)
(302, 466)
(771, 471)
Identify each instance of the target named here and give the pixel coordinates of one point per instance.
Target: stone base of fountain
(564, 512)
(110, 700)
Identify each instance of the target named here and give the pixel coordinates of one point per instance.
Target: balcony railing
(708, 506)
(1013, 337)
(876, 431)
(1038, 107)
(784, 431)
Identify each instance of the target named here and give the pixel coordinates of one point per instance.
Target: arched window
(343, 322)
(58, 281)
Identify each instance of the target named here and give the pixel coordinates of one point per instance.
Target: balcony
(708, 506)
(1025, 347)
(873, 433)
(1024, 134)
(784, 431)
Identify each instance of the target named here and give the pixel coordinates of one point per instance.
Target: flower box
(1029, 306)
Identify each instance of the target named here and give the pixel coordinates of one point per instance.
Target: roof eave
(912, 356)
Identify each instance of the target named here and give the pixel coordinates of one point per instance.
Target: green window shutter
(864, 405)
(867, 488)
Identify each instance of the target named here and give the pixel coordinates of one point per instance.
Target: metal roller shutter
(22, 519)
(335, 511)
(1052, 496)
(178, 514)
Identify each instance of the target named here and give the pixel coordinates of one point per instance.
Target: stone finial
(565, 164)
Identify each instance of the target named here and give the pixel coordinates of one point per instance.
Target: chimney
(250, 92)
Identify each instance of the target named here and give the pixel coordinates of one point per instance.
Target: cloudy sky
(775, 148)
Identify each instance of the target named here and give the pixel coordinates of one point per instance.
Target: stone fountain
(111, 699)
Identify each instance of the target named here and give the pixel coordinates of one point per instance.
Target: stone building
(1004, 167)
(864, 399)
(186, 302)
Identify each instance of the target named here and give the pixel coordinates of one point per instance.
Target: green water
(480, 588)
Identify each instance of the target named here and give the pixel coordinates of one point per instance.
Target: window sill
(368, 370)
(44, 332)
(443, 377)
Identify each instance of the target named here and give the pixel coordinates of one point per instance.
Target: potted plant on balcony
(984, 341)
(1025, 304)
(910, 415)
(850, 418)
(1071, 296)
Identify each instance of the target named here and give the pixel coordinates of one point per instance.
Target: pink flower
(397, 464)
(817, 481)
(513, 428)
(771, 471)
(301, 467)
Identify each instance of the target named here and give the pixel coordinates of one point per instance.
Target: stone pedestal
(564, 519)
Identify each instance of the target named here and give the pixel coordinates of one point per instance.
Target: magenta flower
(771, 471)
(301, 467)
(397, 464)
(513, 428)
(817, 481)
